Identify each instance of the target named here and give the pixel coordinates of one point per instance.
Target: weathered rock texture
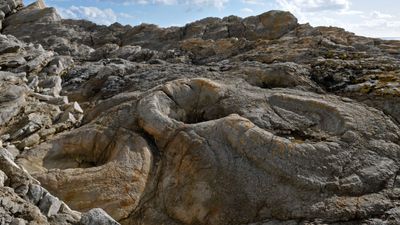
(233, 121)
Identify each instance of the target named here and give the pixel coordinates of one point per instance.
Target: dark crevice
(265, 85)
(152, 184)
(196, 116)
(198, 113)
(172, 99)
(152, 144)
(299, 136)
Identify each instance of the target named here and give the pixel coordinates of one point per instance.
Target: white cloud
(207, 3)
(340, 14)
(303, 9)
(350, 12)
(254, 2)
(99, 16)
(314, 5)
(126, 16)
(197, 3)
(381, 15)
(246, 11)
(376, 24)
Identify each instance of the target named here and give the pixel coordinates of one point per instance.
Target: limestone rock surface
(224, 121)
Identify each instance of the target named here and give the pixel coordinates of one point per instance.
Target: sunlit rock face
(225, 121)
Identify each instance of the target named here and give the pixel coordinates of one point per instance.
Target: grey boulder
(97, 216)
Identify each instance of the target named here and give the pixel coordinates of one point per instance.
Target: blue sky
(374, 18)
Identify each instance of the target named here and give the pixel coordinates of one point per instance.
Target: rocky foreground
(255, 121)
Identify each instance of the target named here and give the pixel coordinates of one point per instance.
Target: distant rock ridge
(232, 121)
(270, 25)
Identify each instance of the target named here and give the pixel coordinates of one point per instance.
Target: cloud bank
(338, 13)
(99, 16)
(196, 3)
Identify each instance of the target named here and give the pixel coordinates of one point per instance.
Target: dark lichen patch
(386, 84)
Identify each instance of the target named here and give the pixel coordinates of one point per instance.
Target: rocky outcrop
(24, 201)
(239, 121)
(33, 24)
(31, 111)
(8, 7)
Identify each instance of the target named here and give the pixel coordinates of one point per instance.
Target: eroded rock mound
(227, 167)
(112, 165)
(239, 121)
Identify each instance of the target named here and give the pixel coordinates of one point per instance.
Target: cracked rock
(97, 217)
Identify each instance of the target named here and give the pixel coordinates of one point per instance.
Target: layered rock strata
(239, 121)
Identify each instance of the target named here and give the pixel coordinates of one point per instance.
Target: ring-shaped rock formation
(227, 155)
(94, 166)
(227, 170)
